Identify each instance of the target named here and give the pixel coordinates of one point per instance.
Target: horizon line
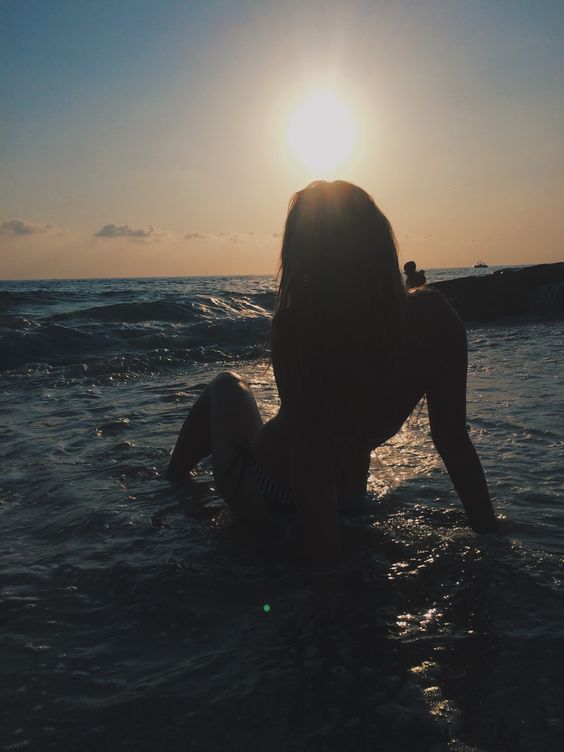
(229, 276)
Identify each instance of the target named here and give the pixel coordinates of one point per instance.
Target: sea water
(135, 616)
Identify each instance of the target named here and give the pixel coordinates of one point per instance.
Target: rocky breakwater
(507, 292)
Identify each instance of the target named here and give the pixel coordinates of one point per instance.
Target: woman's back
(355, 396)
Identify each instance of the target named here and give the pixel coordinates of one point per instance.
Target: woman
(353, 353)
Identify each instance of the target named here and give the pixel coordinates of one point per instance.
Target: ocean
(135, 616)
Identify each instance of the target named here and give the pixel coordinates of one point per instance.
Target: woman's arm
(465, 470)
(446, 398)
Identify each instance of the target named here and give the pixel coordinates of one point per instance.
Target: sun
(322, 133)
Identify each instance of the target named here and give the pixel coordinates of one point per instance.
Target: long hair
(339, 274)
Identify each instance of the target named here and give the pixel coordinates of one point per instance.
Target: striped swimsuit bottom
(280, 494)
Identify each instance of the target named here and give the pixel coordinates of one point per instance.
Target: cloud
(123, 231)
(195, 236)
(18, 227)
(418, 238)
(234, 237)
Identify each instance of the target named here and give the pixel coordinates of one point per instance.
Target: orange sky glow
(168, 141)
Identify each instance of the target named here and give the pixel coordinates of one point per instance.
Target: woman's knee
(228, 380)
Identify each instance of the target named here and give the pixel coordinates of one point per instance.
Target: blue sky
(173, 115)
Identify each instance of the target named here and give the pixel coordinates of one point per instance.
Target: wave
(152, 346)
(15, 322)
(51, 344)
(168, 310)
(39, 296)
(161, 310)
(126, 367)
(264, 299)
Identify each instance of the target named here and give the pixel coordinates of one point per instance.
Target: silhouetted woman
(353, 353)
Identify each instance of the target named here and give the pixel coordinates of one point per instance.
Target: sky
(151, 137)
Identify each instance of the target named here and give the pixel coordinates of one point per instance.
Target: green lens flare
(266, 608)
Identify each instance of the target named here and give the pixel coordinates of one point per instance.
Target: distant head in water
(339, 267)
(413, 278)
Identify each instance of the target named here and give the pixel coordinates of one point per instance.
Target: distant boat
(480, 265)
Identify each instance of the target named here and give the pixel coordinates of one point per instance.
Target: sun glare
(322, 133)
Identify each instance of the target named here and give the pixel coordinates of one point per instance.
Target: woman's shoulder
(432, 317)
(426, 297)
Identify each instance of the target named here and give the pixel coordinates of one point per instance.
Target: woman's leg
(194, 440)
(225, 416)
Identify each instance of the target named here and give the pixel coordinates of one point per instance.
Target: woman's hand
(483, 527)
